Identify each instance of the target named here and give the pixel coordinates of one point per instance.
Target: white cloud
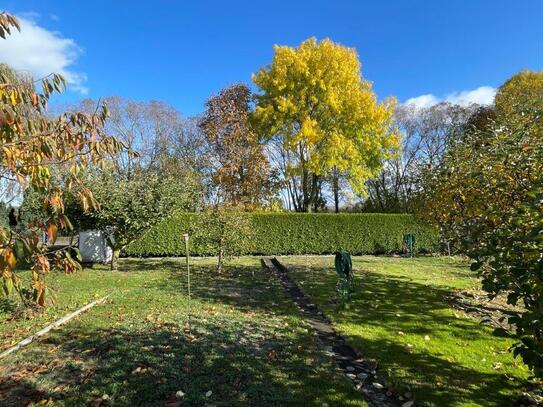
(483, 95)
(423, 101)
(42, 52)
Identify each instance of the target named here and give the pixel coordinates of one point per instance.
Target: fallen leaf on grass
(145, 369)
(139, 370)
(192, 338)
(272, 355)
(53, 349)
(59, 388)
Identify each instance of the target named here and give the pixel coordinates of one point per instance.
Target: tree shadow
(440, 382)
(7, 305)
(241, 360)
(17, 392)
(403, 308)
(248, 288)
(147, 367)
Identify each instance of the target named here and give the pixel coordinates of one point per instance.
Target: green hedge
(298, 233)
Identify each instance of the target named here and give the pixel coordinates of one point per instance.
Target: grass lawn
(399, 319)
(248, 344)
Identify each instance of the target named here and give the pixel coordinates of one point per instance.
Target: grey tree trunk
(221, 259)
(335, 187)
(115, 259)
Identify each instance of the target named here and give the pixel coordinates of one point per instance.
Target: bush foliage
(295, 233)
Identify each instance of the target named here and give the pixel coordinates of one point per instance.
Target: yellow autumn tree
(323, 117)
(493, 163)
(518, 95)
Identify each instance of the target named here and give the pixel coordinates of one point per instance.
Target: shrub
(228, 233)
(296, 233)
(509, 259)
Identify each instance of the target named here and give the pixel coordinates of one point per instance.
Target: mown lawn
(400, 319)
(247, 345)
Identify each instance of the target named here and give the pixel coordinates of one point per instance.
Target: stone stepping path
(361, 373)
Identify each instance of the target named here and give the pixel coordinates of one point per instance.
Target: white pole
(186, 237)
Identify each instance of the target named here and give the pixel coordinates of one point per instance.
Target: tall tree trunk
(115, 259)
(335, 187)
(221, 257)
(316, 192)
(306, 198)
(306, 193)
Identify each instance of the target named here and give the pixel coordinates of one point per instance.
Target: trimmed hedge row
(298, 233)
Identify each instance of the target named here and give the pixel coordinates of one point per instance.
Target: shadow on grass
(408, 310)
(245, 287)
(241, 359)
(7, 305)
(443, 383)
(149, 366)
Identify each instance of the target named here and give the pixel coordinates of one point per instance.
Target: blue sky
(182, 52)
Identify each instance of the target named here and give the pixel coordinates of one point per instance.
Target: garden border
(49, 327)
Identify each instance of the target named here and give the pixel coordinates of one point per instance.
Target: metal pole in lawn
(186, 237)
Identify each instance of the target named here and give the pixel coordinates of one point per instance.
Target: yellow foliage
(316, 100)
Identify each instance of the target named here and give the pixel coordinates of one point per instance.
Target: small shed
(93, 247)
